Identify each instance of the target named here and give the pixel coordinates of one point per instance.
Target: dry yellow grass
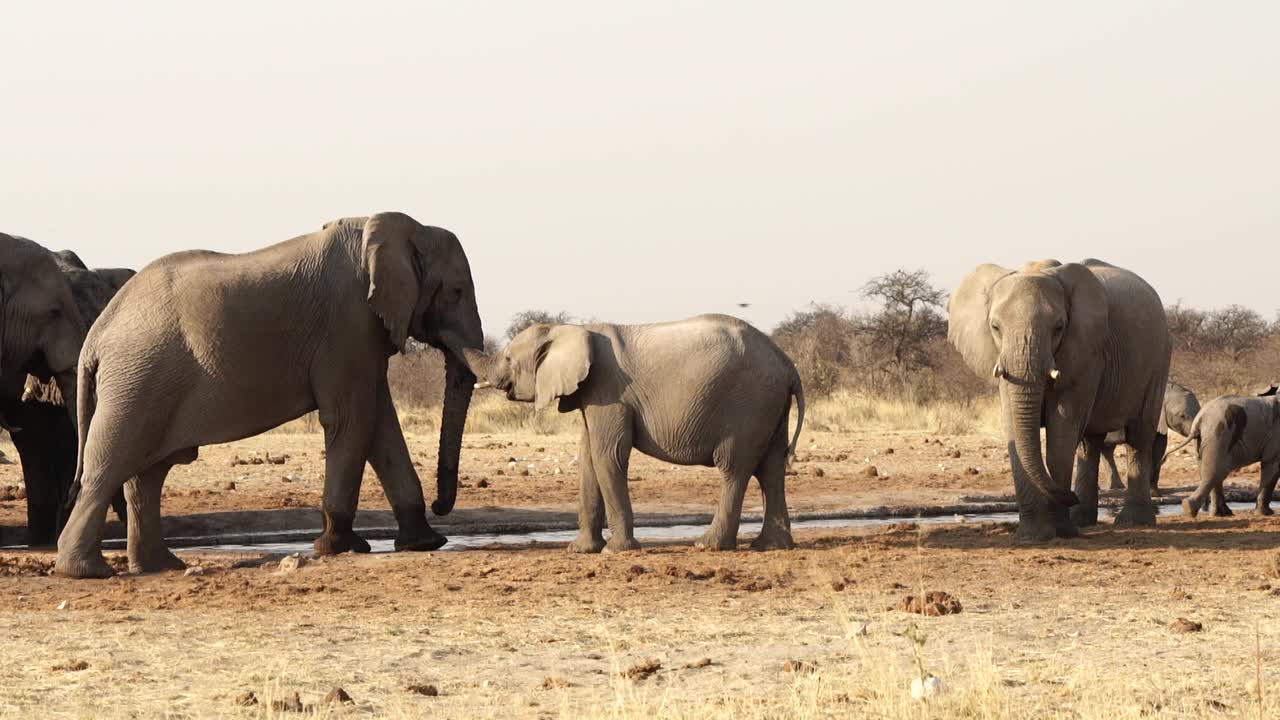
(847, 411)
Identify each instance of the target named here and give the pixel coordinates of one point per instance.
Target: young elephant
(1233, 432)
(1180, 408)
(711, 390)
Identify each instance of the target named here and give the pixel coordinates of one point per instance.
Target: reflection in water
(672, 532)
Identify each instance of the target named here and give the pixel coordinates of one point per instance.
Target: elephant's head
(1041, 328)
(41, 329)
(1180, 408)
(541, 364)
(420, 286)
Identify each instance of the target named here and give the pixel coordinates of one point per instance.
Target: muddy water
(654, 533)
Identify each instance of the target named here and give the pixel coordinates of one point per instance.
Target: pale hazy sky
(652, 160)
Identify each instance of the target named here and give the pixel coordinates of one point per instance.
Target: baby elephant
(1233, 432)
(711, 390)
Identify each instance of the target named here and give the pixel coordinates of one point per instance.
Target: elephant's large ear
(391, 260)
(564, 360)
(967, 323)
(1088, 320)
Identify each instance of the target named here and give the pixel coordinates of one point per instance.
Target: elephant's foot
(1035, 531)
(587, 544)
(1136, 515)
(416, 534)
(1190, 509)
(1080, 517)
(335, 544)
(773, 539)
(338, 536)
(714, 539)
(156, 559)
(91, 565)
(1262, 510)
(618, 544)
(1067, 531)
(1223, 511)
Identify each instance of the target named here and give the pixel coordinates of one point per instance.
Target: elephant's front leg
(347, 437)
(389, 456)
(1062, 437)
(610, 429)
(1086, 480)
(591, 513)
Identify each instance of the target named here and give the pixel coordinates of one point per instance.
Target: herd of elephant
(109, 378)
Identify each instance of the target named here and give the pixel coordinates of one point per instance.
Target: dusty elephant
(1080, 349)
(711, 390)
(1232, 432)
(47, 302)
(203, 347)
(1177, 412)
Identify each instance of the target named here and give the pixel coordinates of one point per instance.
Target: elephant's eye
(995, 328)
(1057, 329)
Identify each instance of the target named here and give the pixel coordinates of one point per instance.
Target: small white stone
(292, 562)
(557, 471)
(194, 570)
(64, 605)
(927, 687)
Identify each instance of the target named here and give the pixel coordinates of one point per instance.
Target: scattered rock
(554, 683)
(642, 670)
(64, 605)
(246, 699)
(20, 493)
(934, 604)
(71, 666)
(971, 471)
(193, 570)
(485, 483)
(278, 459)
(888, 451)
(790, 473)
(293, 703)
(1179, 594)
(7, 495)
(1183, 625)
(819, 472)
(292, 563)
(499, 472)
(704, 662)
(838, 585)
(338, 696)
(800, 667)
(871, 471)
(540, 450)
(954, 454)
(424, 690)
(229, 486)
(634, 572)
(524, 472)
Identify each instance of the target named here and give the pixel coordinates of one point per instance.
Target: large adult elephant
(47, 302)
(202, 347)
(1079, 349)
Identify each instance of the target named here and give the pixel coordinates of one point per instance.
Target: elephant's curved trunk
(459, 383)
(1026, 402)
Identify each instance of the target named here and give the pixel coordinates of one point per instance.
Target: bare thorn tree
(524, 319)
(910, 318)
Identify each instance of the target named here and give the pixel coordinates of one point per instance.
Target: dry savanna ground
(1172, 622)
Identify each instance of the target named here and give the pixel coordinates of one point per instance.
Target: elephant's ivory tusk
(483, 385)
(1054, 374)
(997, 371)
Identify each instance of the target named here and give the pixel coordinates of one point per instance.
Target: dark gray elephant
(47, 302)
(1232, 432)
(1178, 411)
(202, 348)
(1079, 349)
(711, 390)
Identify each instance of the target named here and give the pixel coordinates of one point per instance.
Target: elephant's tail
(1195, 435)
(797, 391)
(87, 403)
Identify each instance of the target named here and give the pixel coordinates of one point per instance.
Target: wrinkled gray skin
(1232, 432)
(203, 348)
(1178, 411)
(47, 302)
(1080, 349)
(711, 390)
